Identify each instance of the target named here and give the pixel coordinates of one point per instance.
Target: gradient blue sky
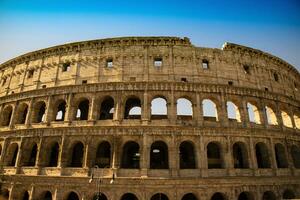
(270, 25)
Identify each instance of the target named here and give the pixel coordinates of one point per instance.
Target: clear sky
(270, 25)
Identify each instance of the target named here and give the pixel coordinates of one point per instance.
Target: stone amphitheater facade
(149, 118)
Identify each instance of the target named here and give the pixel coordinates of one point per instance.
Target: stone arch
(39, 112)
(184, 108)
(189, 196)
(286, 119)
(99, 196)
(11, 155)
(133, 109)
(29, 155)
(187, 155)
(245, 196)
(131, 155)
(297, 121)
(47, 195)
(52, 157)
(218, 196)
(253, 113)
(233, 112)
(107, 108)
(72, 196)
(159, 158)
(214, 156)
(295, 153)
(288, 194)
(210, 112)
(159, 196)
(6, 115)
(271, 116)
(77, 153)
(103, 155)
(159, 108)
(128, 196)
(82, 109)
(269, 195)
(25, 196)
(21, 114)
(60, 110)
(240, 155)
(280, 155)
(262, 155)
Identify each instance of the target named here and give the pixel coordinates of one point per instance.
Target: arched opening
(159, 158)
(189, 196)
(245, 196)
(25, 196)
(187, 155)
(6, 116)
(30, 160)
(47, 196)
(271, 116)
(295, 151)
(60, 111)
(107, 109)
(103, 155)
(12, 154)
(297, 121)
(268, 195)
(214, 158)
(0, 149)
(218, 196)
(77, 155)
(240, 155)
(288, 194)
(100, 196)
(72, 196)
(82, 110)
(281, 159)
(159, 108)
(233, 112)
(286, 119)
(159, 196)
(253, 113)
(262, 155)
(184, 109)
(133, 108)
(21, 113)
(129, 196)
(4, 193)
(210, 112)
(53, 156)
(39, 112)
(131, 156)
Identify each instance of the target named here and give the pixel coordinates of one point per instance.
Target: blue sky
(270, 25)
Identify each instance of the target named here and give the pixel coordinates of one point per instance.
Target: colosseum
(149, 118)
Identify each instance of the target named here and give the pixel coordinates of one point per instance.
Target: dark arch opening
(40, 110)
(22, 113)
(280, 155)
(189, 196)
(0, 149)
(60, 111)
(73, 196)
(129, 196)
(12, 154)
(53, 158)
(218, 196)
(4, 193)
(131, 104)
(25, 196)
(288, 194)
(107, 109)
(187, 155)
(32, 158)
(159, 109)
(159, 155)
(99, 196)
(6, 116)
(103, 155)
(245, 196)
(240, 157)
(214, 158)
(83, 110)
(47, 196)
(295, 151)
(77, 155)
(131, 155)
(268, 195)
(262, 156)
(159, 196)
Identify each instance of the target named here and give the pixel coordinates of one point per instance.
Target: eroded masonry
(149, 118)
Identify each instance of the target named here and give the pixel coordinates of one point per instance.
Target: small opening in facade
(266, 89)
(276, 78)
(109, 63)
(3, 81)
(296, 86)
(12, 92)
(205, 64)
(246, 69)
(84, 82)
(230, 82)
(44, 86)
(30, 73)
(183, 79)
(66, 67)
(158, 62)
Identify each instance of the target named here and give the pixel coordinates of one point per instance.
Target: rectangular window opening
(158, 62)
(246, 69)
(230, 83)
(84, 82)
(30, 73)
(205, 64)
(109, 63)
(183, 79)
(66, 67)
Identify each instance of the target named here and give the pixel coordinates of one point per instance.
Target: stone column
(229, 157)
(92, 109)
(61, 160)
(203, 158)
(244, 112)
(145, 109)
(278, 116)
(144, 156)
(173, 157)
(39, 155)
(49, 111)
(199, 112)
(253, 163)
(12, 118)
(222, 114)
(30, 110)
(262, 113)
(4, 150)
(86, 151)
(69, 109)
(172, 115)
(19, 156)
(272, 157)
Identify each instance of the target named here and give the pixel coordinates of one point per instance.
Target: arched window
(271, 116)
(187, 155)
(159, 196)
(53, 156)
(295, 151)
(4, 193)
(286, 119)
(25, 196)
(297, 121)
(268, 195)
(129, 196)
(159, 108)
(103, 155)
(288, 194)
(253, 113)
(99, 196)
(262, 155)
(133, 108)
(218, 196)
(72, 196)
(47, 196)
(83, 110)
(60, 111)
(39, 112)
(184, 109)
(210, 112)
(77, 155)
(6, 116)
(159, 158)
(233, 112)
(214, 158)
(131, 156)
(240, 156)
(245, 196)
(30, 161)
(281, 159)
(12, 154)
(107, 108)
(189, 196)
(21, 113)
